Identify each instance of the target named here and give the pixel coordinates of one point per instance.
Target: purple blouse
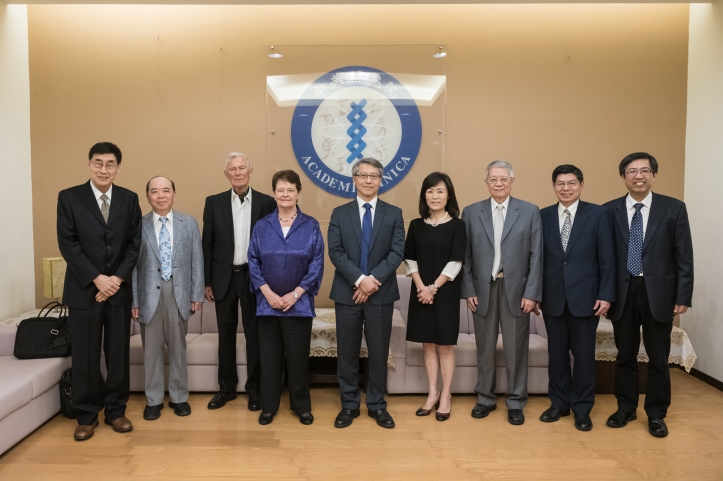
(285, 263)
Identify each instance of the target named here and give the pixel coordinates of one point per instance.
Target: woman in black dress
(434, 253)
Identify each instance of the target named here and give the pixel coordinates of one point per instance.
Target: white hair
(234, 155)
(501, 164)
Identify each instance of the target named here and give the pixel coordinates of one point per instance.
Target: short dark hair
(287, 176)
(566, 169)
(430, 181)
(638, 156)
(106, 148)
(148, 185)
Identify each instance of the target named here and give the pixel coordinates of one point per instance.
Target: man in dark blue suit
(578, 287)
(654, 282)
(366, 245)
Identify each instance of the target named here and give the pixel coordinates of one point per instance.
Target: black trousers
(571, 388)
(227, 319)
(376, 322)
(656, 338)
(89, 328)
(288, 337)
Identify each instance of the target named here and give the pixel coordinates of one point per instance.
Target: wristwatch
(296, 296)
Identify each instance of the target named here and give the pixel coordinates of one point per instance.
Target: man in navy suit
(578, 287)
(366, 245)
(654, 282)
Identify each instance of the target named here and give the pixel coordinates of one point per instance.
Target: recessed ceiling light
(440, 55)
(275, 55)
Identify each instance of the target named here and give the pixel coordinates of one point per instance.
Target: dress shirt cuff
(452, 269)
(412, 266)
(358, 281)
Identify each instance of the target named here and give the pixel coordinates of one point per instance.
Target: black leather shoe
(266, 418)
(515, 417)
(384, 419)
(657, 427)
(254, 403)
(345, 417)
(552, 415)
(151, 413)
(619, 419)
(180, 409)
(480, 411)
(583, 422)
(220, 399)
(306, 419)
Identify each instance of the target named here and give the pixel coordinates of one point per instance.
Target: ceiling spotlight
(440, 55)
(275, 55)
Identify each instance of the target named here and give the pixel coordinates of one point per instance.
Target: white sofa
(410, 376)
(29, 393)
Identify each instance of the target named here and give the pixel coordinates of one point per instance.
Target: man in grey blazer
(366, 245)
(168, 286)
(502, 281)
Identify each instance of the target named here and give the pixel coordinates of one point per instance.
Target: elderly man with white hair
(502, 282)
(228, 221)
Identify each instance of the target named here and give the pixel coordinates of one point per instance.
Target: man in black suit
(578, 287)
(228, 220)
(654, 282)
(366, 245)
(99, 236)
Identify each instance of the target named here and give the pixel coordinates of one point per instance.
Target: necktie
(366, 239)
(566, 228)
(635, 245)
(105, 207)
(499, 224)
(164, 245)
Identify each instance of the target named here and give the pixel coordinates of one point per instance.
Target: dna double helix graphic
(356, 131)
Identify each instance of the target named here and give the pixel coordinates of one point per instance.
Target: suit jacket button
(108, 265)
(108, 247)
(159, 270)
(158, 287)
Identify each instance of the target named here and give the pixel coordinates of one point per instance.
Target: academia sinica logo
(351, 113)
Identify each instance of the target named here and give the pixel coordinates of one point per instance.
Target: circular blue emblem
(351, 113)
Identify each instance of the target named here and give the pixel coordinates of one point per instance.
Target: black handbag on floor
(66, 399)
(43, 337)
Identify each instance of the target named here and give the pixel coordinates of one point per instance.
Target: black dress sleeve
(410, 247)
(459, 242)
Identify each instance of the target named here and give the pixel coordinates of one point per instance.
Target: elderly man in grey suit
(168, 286)
(502, 281)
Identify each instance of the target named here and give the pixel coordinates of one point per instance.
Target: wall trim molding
(710, 380)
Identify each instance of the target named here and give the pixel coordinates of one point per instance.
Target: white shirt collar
(157, 217)
(647, 201)
(572, 208)
(372, 202)
(235, 196)
(505, 204)
(98, 193)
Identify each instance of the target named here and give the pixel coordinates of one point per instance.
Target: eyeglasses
(108, 165)
(503, 180)
(633, 172)
(368, 176)
(572, 184)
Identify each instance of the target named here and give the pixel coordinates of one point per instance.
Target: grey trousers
(166, 328)
(516, 345)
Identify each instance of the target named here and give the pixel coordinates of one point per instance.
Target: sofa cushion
(538, 351)
(136, 351)
(203, 350)
(41, 373)
(398, 341)
(465, 352)
(208, 319)
(7, 339)
(14, 394)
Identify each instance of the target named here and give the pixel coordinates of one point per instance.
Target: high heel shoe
(426, 412)
(444, 416)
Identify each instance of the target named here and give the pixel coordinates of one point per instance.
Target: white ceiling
(329, 2)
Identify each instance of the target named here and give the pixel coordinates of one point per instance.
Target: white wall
(17, 278)
(703, 188)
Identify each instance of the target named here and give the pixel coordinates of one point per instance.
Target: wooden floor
(230, 444)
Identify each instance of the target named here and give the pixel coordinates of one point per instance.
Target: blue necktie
(164, 245)
(366, 239)
(635, 245)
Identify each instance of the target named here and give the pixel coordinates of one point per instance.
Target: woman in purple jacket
(286, 265)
